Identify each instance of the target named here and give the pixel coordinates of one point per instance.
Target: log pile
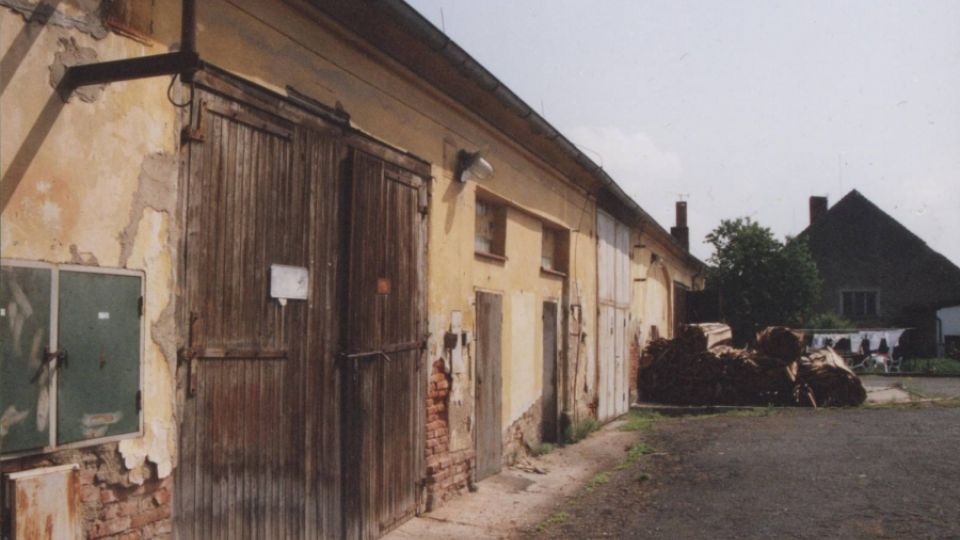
(697, 367)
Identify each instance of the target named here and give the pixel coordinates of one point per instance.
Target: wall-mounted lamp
(472, 166)
(655, 260)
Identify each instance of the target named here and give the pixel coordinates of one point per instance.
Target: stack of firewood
(698, 367)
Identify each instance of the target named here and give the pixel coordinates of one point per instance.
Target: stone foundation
(116, 503)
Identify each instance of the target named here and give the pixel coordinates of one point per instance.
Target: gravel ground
(860, 473)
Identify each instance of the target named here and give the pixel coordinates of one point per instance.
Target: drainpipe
(184, 62)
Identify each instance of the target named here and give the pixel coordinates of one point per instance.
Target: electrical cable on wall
(170, 95)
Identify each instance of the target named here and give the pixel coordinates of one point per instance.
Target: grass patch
(598, 480)
(556, 518)
(752, 412)
(637, 450)
(634, 452)
(755, 412)
(542, 449)
(640, 420)
(576, 434)
(948, 366)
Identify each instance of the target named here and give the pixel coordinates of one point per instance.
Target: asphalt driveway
(860, 473)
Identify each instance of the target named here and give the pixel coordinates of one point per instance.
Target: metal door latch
(58, 359)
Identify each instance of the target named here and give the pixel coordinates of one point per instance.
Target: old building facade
(329, 276)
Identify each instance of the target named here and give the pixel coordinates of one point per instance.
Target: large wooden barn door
(240, 473)
(383, 341)
(613, 287)
(303, 418)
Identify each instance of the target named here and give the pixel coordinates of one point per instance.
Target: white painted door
(613, 292)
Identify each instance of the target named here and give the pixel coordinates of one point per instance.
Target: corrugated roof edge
(420, 27)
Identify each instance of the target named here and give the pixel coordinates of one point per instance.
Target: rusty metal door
(549, 396)
(241, 466)
(384, 340)
(489, 384)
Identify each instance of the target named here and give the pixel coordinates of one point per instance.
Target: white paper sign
(288, 282)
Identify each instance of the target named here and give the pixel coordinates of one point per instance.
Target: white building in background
(948, 334)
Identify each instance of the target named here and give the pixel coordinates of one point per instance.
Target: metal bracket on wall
(184, 62)
(174, 63)
(195, 131)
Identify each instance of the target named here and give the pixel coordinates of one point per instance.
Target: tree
(760, 281)
(829, 321)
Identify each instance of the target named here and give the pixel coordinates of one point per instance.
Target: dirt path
(865, 473)
(516, 499)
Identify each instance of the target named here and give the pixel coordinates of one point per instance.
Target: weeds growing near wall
(640, 420)
(575, 434)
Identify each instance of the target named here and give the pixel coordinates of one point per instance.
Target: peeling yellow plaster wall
(159, 441)
(72, 201)
(279, 46)
(653, 297)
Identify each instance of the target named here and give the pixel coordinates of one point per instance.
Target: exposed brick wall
(524, 434)
(448, 473)
(113, 505)
(634, 369)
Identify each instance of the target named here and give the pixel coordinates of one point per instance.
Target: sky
(742, 107)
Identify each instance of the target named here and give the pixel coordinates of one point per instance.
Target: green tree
(761, 281)
(829, 321)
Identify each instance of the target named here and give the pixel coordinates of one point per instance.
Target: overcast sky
(744, 108)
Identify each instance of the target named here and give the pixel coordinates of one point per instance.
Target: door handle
(59, 356)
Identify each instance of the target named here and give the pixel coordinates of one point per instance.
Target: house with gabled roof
(877, 273)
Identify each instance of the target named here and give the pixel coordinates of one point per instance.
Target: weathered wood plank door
(489, 384)
(549, 396)
(383, 348)
(240, 472)
(613, 288)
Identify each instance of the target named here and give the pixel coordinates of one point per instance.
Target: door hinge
(139, 400)
(194, 132)
(188, 356)
(423, 199)
(140, 306)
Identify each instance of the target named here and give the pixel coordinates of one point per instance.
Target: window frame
(53, 344)
(498, 242)
(862, 304)
(561, 243)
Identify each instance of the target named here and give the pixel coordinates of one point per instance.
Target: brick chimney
(818, 207)
(681, 232)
